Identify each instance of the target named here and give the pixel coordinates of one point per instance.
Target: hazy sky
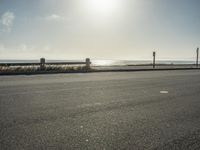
(101, 29)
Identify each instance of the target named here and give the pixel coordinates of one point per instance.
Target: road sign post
(197, 60)
(154, 59)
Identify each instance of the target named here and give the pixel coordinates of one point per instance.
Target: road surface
(101, 111)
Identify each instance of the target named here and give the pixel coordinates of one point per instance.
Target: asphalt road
(97, 111)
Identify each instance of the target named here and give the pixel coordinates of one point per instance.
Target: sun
(103, 7)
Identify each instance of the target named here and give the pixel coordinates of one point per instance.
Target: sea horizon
(105, 62)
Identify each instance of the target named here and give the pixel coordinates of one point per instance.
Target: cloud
(6, 21)
(27, 51)
(56, 17)
(23, 47)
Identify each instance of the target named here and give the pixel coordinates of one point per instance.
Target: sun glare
(103, 7)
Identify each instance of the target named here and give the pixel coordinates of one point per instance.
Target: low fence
(43, 63)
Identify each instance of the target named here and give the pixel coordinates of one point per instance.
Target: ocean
(109, 62)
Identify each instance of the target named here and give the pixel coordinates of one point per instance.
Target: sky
(99, 29)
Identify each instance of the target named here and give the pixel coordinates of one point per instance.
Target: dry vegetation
(35, 69)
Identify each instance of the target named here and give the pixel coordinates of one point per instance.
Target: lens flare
(103, 7)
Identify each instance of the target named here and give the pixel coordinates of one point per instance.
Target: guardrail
(43, 63)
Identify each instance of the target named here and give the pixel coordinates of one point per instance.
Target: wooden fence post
(88, 62)
(42, 63)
